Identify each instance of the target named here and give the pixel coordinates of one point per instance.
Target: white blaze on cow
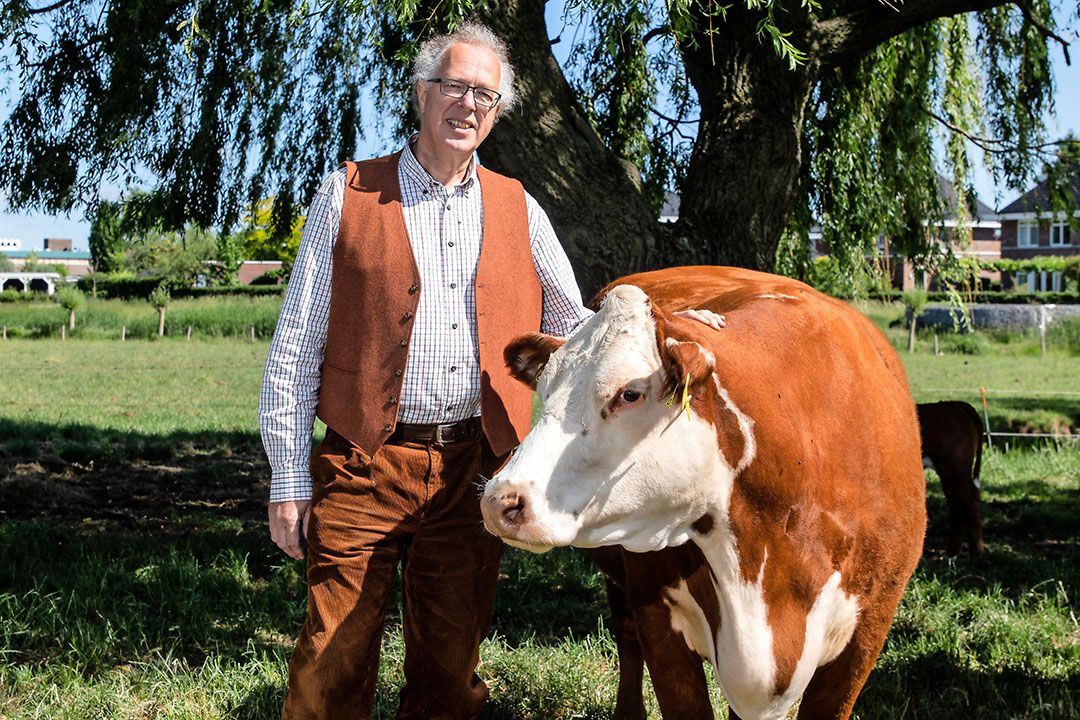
(809, 532)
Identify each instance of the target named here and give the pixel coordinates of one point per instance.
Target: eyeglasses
(457, 89)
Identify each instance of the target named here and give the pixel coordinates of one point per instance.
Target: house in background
(984, 226)
(57, 251)
(1029, 229)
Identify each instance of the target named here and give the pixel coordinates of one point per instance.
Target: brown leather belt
(436, 434)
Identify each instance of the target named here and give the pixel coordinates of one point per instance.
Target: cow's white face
(609, 461)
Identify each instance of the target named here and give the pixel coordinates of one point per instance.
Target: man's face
(457, 126)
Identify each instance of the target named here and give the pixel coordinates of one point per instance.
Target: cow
(765, 480)
(952, 439)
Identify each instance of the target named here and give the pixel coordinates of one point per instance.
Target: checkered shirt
(442, 374)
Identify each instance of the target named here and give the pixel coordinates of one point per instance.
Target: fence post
(936, 351)
(63, 332)
(123, 333)
(252, 333)
(986, 419)
(5, 332)
(189, 333)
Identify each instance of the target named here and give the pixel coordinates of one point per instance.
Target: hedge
(130, 287)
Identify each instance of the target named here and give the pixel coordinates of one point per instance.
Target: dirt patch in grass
(163, 485)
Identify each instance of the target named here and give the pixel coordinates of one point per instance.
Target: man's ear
(527, 354)
(421, 93)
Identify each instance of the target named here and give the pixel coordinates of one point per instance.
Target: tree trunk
(742, 178)
(161, 322)
(71, 319)
(592, 196)
(911, 334)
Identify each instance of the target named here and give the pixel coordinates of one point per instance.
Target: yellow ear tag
(539, 369)
(686, 396)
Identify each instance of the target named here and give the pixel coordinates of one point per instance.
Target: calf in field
(763, 482)
(952, 439)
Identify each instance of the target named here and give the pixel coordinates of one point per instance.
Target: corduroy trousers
(417, 506)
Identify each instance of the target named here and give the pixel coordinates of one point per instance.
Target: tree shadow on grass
(935, 685)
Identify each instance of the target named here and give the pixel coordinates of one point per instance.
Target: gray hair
(473, 33)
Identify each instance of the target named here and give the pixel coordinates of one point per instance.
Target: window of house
(1026, 281)
(1027, 233)
(1060, 233)
(1055, 282)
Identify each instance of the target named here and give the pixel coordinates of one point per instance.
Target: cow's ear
(687, 359)
(527, 354)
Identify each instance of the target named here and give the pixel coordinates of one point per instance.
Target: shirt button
(448, 206)
(453, 286)
(453, 368)
(454, 326)
(451, 243)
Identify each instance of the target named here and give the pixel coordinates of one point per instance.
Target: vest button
(386, 428)
(413, 289)
(403, 343)
(393, 400)
(408, 316)
(397, 373)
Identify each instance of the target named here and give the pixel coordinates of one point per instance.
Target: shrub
(1065, 333)
(965, 343)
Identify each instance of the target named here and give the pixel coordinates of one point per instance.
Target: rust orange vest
(375, 290)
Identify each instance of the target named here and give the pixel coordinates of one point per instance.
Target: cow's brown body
(952, 439)
(826, 506)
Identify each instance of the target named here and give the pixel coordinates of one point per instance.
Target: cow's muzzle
(506, 512)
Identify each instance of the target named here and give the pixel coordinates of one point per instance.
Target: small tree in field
(914, 302)
(71, 299)
(160, 300)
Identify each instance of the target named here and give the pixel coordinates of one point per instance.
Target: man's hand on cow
(288, 525)
(708, 317)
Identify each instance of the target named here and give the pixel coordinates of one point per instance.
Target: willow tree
(760, 114)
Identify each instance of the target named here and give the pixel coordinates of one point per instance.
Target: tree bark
(742, 179)
(592, 196)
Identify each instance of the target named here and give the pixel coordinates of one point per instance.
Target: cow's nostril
(513, 508)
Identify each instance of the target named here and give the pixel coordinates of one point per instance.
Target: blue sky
(32, 228)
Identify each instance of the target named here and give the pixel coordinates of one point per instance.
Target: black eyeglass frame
(474, 88)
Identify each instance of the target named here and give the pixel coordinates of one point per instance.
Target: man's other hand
(708, 317)
(288, 525)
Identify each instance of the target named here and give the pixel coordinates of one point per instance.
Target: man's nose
(468, 100)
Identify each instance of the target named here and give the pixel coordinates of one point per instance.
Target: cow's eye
(630, 396)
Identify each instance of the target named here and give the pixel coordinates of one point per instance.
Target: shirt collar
(416, 173)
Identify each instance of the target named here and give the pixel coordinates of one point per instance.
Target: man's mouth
(459, 124)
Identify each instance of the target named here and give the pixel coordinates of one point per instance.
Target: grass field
(138, 580)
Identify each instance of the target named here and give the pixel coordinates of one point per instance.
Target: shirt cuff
(290, 484)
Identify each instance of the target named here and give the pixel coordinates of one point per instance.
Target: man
(413, 273)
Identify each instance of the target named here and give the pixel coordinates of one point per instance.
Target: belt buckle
(437, 438)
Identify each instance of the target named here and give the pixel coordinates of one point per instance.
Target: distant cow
(772, 468)
(952, 439)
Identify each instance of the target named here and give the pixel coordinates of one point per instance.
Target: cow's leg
(629, 701)
(677, 672)
(832, 691)
(958, 498)
(974, 523)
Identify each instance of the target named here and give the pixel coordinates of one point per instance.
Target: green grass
(139, 582)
